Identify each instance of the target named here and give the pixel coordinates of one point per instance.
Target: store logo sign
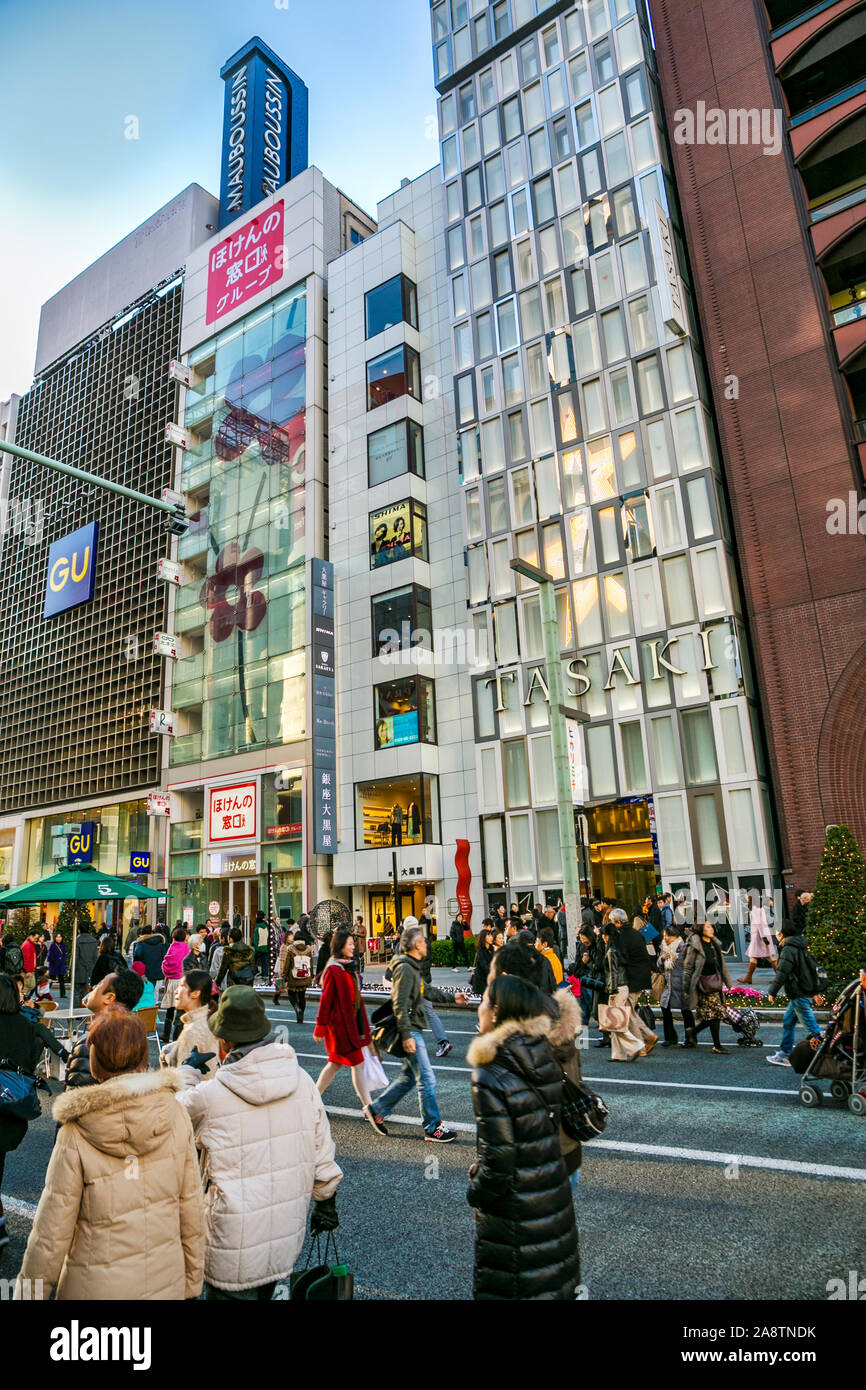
(71, 570)
(139, 863)
(265, 128)
(80, 844)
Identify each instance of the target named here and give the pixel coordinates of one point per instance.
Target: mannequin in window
(396, 824)
(413, 817)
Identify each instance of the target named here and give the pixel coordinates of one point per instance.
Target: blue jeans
(798, 1009)
(574, 1179)
(416, 1071)
(435, 1023)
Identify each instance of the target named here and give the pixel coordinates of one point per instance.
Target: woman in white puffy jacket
(267, 1153)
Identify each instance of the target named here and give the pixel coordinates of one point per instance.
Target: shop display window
(398, 532)
(393, 374)
(395, 450)
(404, 712)
(397, 811)
(401, 619)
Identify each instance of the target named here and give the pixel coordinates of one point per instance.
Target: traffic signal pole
(175, 514)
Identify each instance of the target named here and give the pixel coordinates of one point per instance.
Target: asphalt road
(710, 1182)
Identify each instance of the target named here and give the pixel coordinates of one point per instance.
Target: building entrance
(239, 897)
(621, 852)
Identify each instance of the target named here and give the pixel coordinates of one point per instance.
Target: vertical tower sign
(324, 709)
(265, 128)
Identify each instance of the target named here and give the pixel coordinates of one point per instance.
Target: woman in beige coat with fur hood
(121, 1215)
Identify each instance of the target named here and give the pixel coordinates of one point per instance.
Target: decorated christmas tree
(66, 919)
(836, 923)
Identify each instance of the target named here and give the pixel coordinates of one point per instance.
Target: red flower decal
(240, 572)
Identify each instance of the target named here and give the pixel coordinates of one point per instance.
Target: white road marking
(778, 1165)
(21, 1208)
(607, 1080)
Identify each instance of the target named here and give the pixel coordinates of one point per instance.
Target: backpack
(808, 975)
(244, 976)
(14, 961)
(301, 968)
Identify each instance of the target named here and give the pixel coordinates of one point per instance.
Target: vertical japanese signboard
(324, 709)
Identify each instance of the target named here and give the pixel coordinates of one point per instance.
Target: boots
(166, 1027)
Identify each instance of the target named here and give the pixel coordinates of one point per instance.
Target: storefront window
(398, 532)
(394, 302)
(393, 374)
(395, 450)
(402, 619)
(397, 811)
(404, 712)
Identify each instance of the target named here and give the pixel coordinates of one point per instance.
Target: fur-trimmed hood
(561, 1032)
(130, 1114)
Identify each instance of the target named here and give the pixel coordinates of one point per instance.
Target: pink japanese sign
(247, 262)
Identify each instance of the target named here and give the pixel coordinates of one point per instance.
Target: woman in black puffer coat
(525, 1232)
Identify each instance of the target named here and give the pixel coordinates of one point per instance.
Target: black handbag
(646, 1016)
(19, 1097)
(384, 1030)
(323, 1281)
(584, 1114)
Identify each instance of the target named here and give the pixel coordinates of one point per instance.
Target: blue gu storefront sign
(265, 128)
(71, 570)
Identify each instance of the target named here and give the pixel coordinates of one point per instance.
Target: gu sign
(233, 813)
(71, 570)
(265, 128)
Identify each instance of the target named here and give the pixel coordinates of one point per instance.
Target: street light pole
(559, 737)
(176, 516)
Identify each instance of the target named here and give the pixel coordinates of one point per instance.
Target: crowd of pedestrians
(228, 1137)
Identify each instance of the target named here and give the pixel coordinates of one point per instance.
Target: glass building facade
(587, 447)
(241, 612)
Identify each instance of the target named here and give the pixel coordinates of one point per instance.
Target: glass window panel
(587, 613)
(594, 412)
(599, 755)
(450, 157)
(476, 561)
(546, 481)
(392, 375)
(533, 106)
(658, 450)
(628, 45)
(726, 676)
(580, 76)
(636, 93)
(465, 400)
(516, 165)
(618, 168)
(678, 588)
(506, 316)
(586, 131)
(516, 773)
(573, 238)
(568, 191)
(624, 211)
(508, 74)
(664, 752)
(633, 265)
(668, 517)
(623, 405)
(458, 289)
(698, 747)
(539, 159)
(528, 60)
(462, 347)
(673, 838)
(498, 224)
(468, 454)
(517, 435)
(559, 360)
(542, 194)
(732, 739)
(512, 379)
(505, 634)
(643, 145)
(602, 472)
(473, 515)
(492, 446)
(494, 173)
(605, 279)
(634, 765)
(709, 838)
(572, 477)
(562, 146)
(542, 769)
(537, 365)
(530, 313)
(744, 826)
(678, 368)
(453, 204)
(533, 633)
(656, 688)
(496, 509)
(474, 199)
(479, 278)
(596, 17)
(487, 88)
(711, 583)
(548, 250)
(568, 423)
(637, 527)
(580, 291)
(599, 222)
(554, 555)
(489, 779)
(614, 335)
(591, 167)
(555, 303)
(547, 837)
(689, 441)
(609, 109)
(522, 870)
(689, 685)
(501, 572)
(521, 493)
(471, 152)
(650, 385)
(586, 350)
(486, 344)
(629, 458)
(550, 42)
(394, 450)
(502, 273)
(556, 94)
(573, 30)
(641, 323)
(525, 271)
(616, 605)
(456, 248)
(581, 546)
(488, 390)
(494, 854)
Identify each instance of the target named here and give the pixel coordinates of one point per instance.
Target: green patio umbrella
(79, 884)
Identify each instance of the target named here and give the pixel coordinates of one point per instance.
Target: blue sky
(71, 71)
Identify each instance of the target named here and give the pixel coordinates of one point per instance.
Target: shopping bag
(374, 1072)
(322, 1281)
(658, 987)
(612, 1018)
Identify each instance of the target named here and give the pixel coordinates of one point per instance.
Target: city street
(710, 1182)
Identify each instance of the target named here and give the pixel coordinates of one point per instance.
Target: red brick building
(777, 243)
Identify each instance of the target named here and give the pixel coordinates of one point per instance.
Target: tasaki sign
(71, 570)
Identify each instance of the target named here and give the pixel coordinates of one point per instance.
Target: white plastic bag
(374, 1072)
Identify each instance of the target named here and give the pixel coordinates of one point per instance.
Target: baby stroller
(745, 1023)
(840, 1058)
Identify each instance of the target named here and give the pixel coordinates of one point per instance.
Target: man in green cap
(267, 1152)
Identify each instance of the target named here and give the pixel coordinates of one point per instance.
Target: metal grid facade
(77, 688)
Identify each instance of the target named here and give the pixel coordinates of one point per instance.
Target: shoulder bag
(18, 1095)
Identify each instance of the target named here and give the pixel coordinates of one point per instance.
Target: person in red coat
(341, 1022)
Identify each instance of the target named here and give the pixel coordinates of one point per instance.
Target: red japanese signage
(247, 262)
(232, 813)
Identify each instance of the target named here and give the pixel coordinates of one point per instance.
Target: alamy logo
(739, 126)
(77, 1343)
(854, 1288)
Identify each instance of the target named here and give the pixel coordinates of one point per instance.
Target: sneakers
(454, 970)
(444, 1048)
(378, 1125)
(440, 1135)
(779, 1059)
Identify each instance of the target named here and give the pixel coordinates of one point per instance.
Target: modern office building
(79, 588)
(587, 446)
(770, 101)
(406, 756)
